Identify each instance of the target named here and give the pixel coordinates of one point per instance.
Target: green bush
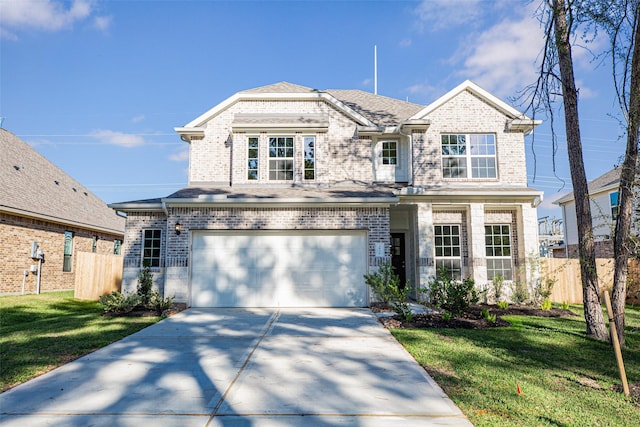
(385, 284)
(158, 303)
(519, 293)
(115, 302)
(497, 284)
(145, 284)
(491, 318)
(546, 304)
(503, 305)
(454, 296)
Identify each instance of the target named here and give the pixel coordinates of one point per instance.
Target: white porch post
(426, 265)
(477, 244)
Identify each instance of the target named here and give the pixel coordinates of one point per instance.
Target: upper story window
(151, 248)
(389, 153)
(252, 158)
(281, 158)
(469, 156)
(117, 246)
(498, 251)
(309, 157)
(94, 244)
(447, 246)
(615, 204)
(68, 251)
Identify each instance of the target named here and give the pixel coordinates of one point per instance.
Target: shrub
(497, 284)
(446, 315)
(491, 318)
(519, 293)
(454, 296)
(564, 305)
(385, 284)
(503, 305)
(546, 304)
(115, 302)
(145, 284)
(160, 304)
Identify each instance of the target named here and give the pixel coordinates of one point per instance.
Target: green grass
(566, 379)
(41, 332)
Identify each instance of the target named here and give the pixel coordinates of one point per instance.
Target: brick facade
(16, 235)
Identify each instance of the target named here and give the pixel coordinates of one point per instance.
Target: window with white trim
(252, 158)
(389, 152)
(498, 251)
(117, 246)
(151, 248)
(615, 204)
(94, 244)
(281, 158)
(309, 157)
(447, 246)
(468, 156)
(67, 262)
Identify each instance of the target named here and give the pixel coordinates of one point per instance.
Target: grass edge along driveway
(41, 332)
(565, 378)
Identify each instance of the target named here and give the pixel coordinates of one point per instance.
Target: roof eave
(62, 221)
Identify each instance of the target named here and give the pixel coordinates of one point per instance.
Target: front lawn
(41, 332)
(565, 378)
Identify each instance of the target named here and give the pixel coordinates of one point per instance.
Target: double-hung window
(252, 158)
(309, 157)
(281, 158)
(468, 156)
(67, 262)
(151, 248)
(498, 251)
(389, 153)
(447, 246)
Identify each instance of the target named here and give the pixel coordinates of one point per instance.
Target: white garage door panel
(290, 269)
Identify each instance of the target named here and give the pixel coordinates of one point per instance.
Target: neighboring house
(550, 235)
(42, 204)
(295, 193)
(604, 195)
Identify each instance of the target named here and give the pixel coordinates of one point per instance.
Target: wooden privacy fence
(97, 275)
(568, 279)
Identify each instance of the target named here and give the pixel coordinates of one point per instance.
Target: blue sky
(98, 86)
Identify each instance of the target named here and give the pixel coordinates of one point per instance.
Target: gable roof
(381, 110)
(30, 185)
(519, 121)
(605, 182)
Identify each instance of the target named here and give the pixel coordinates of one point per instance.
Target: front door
(398, 257)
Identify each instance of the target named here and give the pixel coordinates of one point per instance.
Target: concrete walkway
(240, 367)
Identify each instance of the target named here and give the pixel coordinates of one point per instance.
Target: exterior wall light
(178, 228)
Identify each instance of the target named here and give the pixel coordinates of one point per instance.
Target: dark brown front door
(398, 257)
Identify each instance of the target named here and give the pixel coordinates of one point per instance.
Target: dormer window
(281, 158)
(469, 156)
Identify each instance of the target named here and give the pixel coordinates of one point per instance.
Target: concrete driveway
(240, 367)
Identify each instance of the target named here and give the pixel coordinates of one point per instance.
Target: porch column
(477, 247)
(426, 265)
(528, 246)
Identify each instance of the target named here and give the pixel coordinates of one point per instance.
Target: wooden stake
(616, 344)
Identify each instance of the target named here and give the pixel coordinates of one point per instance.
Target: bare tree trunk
(590, 290)
(622, 247)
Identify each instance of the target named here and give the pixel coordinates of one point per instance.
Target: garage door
(278, 269)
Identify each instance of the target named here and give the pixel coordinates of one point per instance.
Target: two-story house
(295, 193)
(604, 195)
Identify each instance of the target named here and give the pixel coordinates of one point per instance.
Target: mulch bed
(470, 319)
(142, 312)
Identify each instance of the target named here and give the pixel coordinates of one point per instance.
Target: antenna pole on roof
(375, 69)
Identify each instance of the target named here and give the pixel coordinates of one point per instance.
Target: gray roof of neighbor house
(602, 182)
(32, 186)
(381, 110)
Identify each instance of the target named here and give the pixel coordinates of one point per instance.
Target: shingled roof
(381, 110)
(32, 186)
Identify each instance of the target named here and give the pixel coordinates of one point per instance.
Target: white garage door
(278, 269)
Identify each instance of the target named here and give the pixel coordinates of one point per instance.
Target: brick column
(426, 265)
(477, 248)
